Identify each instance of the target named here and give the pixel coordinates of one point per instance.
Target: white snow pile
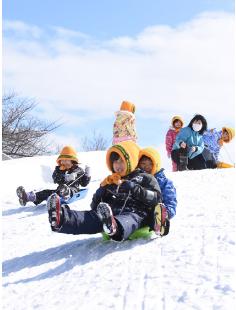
(191, 268)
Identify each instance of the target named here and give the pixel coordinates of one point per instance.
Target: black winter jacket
(59, 177)
(141, 199)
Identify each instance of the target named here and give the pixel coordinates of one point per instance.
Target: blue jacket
(168, 192)
(210, 138)
(191, 138)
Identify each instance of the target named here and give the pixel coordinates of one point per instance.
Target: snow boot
(25, 197)
(161, 221)
(55, 211)
(104, 212)
(64, 191)
(183, 161)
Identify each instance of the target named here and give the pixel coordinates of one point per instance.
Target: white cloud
(163, 70)
(21, 28)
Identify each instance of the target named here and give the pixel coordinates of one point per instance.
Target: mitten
(87, 171)
(70, 177)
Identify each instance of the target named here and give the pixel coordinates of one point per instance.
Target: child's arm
(148, 191)
(169, 197)
(58, 176)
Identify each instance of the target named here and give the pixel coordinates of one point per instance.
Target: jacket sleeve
(169, 197)
(83, 178)
(58, 176)
(148, 192)
(98, 197)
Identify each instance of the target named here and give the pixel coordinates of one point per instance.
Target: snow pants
(196, 163)
(43, 195)
(88, 222)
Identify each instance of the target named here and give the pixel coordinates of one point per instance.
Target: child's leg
(43, 195)
(80, 222)
(127, 223)
(174, 166)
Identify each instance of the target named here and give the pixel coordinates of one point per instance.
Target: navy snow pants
(87, 222)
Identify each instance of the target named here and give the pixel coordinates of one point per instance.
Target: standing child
(150, 162)
(68, 175)
(176, 124)
(213, 141)
(122, 204)
(124, 126)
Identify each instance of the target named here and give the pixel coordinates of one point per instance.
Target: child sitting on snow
(213, 141)
(189, 145)
(150, 162)
(67, 174)
(176, 124)
(124, 126)
(122, 204)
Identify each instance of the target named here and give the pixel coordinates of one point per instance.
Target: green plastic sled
(143, 232)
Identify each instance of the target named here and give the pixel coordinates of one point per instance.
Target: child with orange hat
(176, 124)
(122, 204)
(213, 141)
(124, 126)
(150, 162)
(68, 175)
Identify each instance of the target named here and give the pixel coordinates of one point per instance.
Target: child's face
(146, 165)
(177, 124)
(225, 136)
(119, 166)
(66, 163)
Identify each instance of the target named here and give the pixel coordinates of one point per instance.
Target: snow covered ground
(191, 268)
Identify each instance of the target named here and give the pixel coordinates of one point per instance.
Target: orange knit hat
(155, 157)
(128, 151)
(68, 152)
(127, 106)
(175, 118)
(230, 132)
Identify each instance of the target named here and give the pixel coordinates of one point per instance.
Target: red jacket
(170, 139)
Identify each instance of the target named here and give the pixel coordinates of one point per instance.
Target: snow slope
(191, 268)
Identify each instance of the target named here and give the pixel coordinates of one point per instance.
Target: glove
(70, 177)
(128, 185)
(63, 191)
(87, 171)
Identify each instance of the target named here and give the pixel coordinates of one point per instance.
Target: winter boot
(161, 221)
(64, 191)
(55, 211)
(104, 212)
(183, 160)
(25, 197)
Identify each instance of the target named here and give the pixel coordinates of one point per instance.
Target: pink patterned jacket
(170, 139)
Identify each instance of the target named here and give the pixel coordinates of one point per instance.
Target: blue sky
(80, 59)
(106, 18)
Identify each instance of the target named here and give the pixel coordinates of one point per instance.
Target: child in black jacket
(122, 204)
(68, 175)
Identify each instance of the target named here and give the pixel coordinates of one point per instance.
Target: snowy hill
(191, 268)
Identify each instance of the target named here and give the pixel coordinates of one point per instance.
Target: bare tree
(96, 143)
(23, 135)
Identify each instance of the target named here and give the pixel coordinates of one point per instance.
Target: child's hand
(128, 185)
(70, 177)
(183, 145)
(193, 148)
(87, 171)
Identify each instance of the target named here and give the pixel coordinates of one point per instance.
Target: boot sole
(54, 207)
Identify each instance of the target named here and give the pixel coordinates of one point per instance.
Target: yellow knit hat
(230, 132)
(127, 106)
(128, 151)
(155, 157)
(68, 152)
(175, 118)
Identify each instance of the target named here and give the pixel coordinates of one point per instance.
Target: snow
(191, 268)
